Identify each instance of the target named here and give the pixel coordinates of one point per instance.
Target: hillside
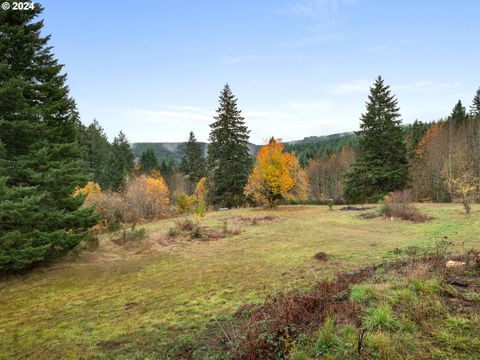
(308, 145)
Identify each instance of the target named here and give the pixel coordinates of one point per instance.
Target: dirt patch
(354, 208)
(257, 220)
(321, 256)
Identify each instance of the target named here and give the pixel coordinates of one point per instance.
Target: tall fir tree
(229, 162)
(193, 161)
(41, 162)
(459, 114)
(475, 107)
(120, 163)
(382, 164)
(96, 150)
(148, 161)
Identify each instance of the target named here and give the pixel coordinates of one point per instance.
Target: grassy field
(132, 301)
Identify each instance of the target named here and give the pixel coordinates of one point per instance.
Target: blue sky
(298, 67)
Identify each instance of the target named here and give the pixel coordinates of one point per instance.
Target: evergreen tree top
(475, 107)
(382, 107)
(459, 113)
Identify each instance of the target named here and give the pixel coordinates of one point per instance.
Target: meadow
(143, 298)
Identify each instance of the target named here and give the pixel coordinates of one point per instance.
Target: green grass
(136, 301)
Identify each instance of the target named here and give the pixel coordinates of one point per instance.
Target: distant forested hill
(314, 146)
(306, 149)
(173, 150)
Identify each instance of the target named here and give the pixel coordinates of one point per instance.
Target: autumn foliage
(145, 197)
(276, 176)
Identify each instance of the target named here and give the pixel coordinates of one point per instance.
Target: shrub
(184, 204)
(197, 232)
(398, 204)
(111, 208)
(185, 225)
(90, 189)
(146, 197)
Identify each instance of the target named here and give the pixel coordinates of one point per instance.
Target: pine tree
(229, 162)
(382, 164)
(193, 161)
(459, 114)
(120, 163)
(148, 161)
(475, 107)
(41, 162)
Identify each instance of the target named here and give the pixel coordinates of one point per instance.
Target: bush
(185, 225)
(398, 204)
(184, 204)
(146, 197)
(197, 232)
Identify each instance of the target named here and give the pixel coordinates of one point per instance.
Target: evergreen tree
(41, 163)
(168, 165)
(382, 164)
(193, 161)
(96, 150)
(475, 107)
(229, 162)
(148, 161)
(459, 114)
(120, 163)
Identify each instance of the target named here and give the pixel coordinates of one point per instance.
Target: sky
(155, 68)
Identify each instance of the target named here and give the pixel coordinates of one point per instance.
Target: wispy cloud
(165, 114)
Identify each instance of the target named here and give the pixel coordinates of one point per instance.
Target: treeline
(439, 161)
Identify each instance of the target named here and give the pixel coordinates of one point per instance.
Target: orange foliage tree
(276, 175)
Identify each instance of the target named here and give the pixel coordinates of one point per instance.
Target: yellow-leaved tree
(201, 190)
(276, 176)
(465, 186)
